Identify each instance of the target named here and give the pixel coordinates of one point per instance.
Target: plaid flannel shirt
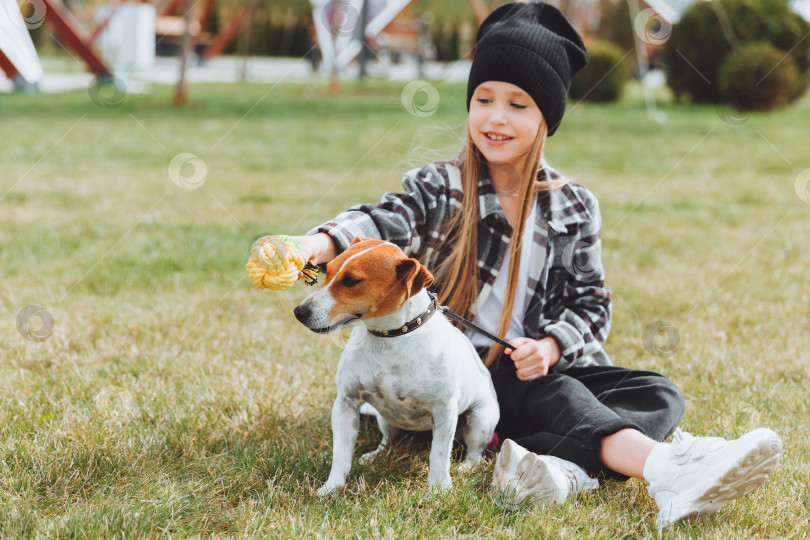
(566, 298)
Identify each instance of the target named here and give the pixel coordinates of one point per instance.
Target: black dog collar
(413, 324)
(423, 318)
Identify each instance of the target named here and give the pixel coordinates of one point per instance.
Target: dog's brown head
(372, 278)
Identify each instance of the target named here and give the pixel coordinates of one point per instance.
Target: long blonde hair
(457, 273)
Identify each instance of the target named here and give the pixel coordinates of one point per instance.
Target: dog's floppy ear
(359, 239)
(415, 275)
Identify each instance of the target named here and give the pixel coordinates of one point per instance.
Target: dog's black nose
(302, 313)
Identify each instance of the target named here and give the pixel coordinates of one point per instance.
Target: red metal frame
(7, 66)
(69, 30)
(71, 33)
(103, 24)
(172, 7)
(205, 14)
(226, 36)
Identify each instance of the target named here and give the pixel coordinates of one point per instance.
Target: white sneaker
(521, 477)
(506, 464)
(698, 474)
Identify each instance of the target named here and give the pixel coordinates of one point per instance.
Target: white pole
(15, 41)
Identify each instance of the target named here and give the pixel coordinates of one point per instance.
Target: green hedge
(761, 77)
(701, 45)
(605, 75)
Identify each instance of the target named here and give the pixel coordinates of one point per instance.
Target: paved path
(65, 75)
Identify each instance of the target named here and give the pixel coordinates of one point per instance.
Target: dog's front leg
(345, 423)
(445, 418)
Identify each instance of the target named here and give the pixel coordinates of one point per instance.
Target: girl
(515, 246)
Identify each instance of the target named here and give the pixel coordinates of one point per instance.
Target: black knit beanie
(533, 47)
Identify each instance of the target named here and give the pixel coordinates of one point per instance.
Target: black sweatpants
(568, 414)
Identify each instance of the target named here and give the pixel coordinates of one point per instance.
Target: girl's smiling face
(503, 122)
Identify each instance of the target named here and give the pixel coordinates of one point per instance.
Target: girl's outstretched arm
(410, 219)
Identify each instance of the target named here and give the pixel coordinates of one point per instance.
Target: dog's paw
(465, 466)
(469, 463)
(441, 485)
(328, 490)
(368, 457)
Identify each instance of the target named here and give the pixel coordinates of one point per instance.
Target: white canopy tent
(16, 44)
(338, 27)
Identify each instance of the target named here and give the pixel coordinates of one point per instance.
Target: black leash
(475, 328)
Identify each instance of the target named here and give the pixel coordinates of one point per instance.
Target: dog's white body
(423, 380)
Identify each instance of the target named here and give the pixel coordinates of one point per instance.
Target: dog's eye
(349, 281)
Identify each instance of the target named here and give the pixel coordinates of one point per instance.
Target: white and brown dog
(417, 371)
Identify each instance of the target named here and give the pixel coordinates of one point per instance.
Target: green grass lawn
(172, 397)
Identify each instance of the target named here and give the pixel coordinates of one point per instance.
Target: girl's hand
(533, 358)
(317, 248)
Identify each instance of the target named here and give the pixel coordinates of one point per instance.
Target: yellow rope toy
(275, 263)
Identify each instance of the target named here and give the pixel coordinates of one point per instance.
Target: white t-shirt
(490, 313)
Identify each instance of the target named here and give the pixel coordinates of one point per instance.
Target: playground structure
(18, 58)
(343, 28)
